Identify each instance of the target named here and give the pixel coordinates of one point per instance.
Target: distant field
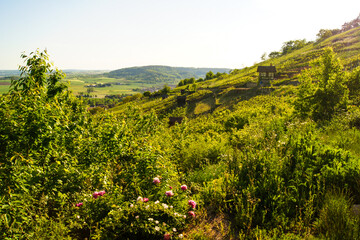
(4, 85)
(77, 85)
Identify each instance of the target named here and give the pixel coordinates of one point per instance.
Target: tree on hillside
(165, 90)
(263, 57)
(322, 91)
(292, 45)
(350, 25)
(274, 54)
(209, 75)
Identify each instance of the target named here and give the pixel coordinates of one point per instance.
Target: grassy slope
(226, 92)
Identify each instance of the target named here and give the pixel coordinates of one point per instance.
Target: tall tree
(322, 91)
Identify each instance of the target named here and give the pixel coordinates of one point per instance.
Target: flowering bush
(192, 203)
(154, 217)
(169, 193)
(156, 180)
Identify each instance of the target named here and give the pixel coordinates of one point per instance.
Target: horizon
(111, 35)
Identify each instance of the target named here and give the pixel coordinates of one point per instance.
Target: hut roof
(266, 69)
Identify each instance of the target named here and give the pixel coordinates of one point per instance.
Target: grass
(78, 84)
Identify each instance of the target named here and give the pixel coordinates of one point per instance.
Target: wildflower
(184, 216)
(191, 213)
(137, 217)
(169, 193)
(101, 193)
(176, 214)
(140, 199)
(131, 205)
(157, 201)
(165, 206)
(156, 222)
(181, 236)
(171, 207)
(150, 219)
(157, 228)
(79, 204)
(192, 203)
(167, 236)
(147, 206)
(145, 199)
(174, 229)
(156, 180)
(183, 187)
(78, 216)
(170, 187)
(95, 195)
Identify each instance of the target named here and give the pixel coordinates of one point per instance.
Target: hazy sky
(112, 34)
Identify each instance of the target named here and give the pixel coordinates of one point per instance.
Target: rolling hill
(161, 74)
(240, 84)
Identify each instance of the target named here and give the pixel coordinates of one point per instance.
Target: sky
(113, 34)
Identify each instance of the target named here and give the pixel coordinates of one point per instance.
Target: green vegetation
(246, 162)
(161, 74)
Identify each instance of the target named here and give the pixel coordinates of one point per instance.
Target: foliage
(336, 220)
(37, 75)
(161, 74)
(292, 45)
(322, 92)
(254, 169)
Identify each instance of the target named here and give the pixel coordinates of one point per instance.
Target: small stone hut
(266, 74)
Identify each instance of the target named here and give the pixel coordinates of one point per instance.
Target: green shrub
(336, 220)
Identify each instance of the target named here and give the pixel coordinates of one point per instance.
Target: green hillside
(228, 89)
(240, 161)
(161, 74)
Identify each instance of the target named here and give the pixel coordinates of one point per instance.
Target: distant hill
(162, 74)
(8, 73)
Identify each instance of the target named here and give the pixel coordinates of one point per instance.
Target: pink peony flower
(191, 214)
(79, 204)
(192, 203)
(169, 193)
(95, 195)
(183, 187)
(167, 236)
(101, 193)
(156, 180)
(146, 199)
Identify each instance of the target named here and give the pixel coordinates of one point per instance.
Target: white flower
(147, 206)
(165, 206)
(181, 236)
(175, 213)
(78, 216)
(140, 199)
(156, 222)
(150, 219)
(131, 205)
(157, 228)
(184, 216)
(157, 201)
(171, 207)
(137, 217)
(174, 229)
